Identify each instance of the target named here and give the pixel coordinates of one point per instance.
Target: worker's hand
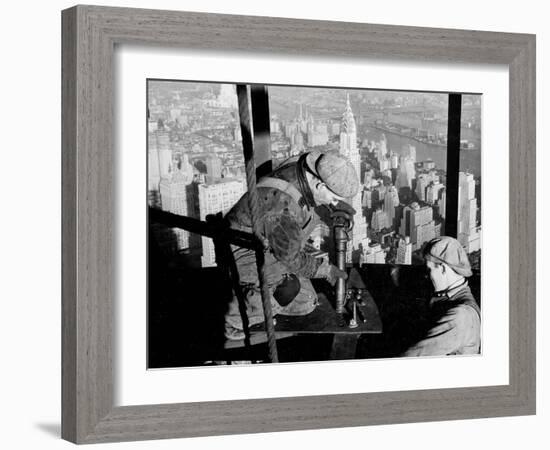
(330, 272)
(343, 207)
(342, 215)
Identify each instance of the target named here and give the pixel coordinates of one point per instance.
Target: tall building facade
(379, 220)
(382, 148)
(421, 186)
(274, 124)
(153, 163)
(159, 157)
(406, 173)
(417, 223)
(434, 192)
(443, 203)
(394, 157)
(468, 231)
(217, 196)
(391, 201)
(214, 167)
(165, 152)
(409, 151)
(373, 254)
(317, 134)
(297, 143)
(177, 195)
(404, 251)
(348, 148)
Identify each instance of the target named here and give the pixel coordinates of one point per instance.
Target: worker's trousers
(304, 302)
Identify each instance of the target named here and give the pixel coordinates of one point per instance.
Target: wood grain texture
(88, 208)
(89, 202)
(68, 225)
(523, 223)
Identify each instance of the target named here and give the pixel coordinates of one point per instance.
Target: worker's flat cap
(449, 251)
(336, 171)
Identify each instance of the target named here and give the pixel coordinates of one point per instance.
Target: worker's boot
(234, 329)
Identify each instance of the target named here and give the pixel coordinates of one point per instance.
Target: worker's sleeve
(284, 235)
(446, 336)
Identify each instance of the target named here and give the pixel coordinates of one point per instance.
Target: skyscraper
(367, 198)
(274, 124)
(374, 254)
(302, 121)
(406, 173)
(177, 196)
(385, 164)
(442, 204)
(368, 178)
(348, 137)
(409, 151)
(153, 163)
(217, 196)
(421, 185)
(317, 134)
(382, 148)
(290, 129)
(214, 167)
(468, 231)
(379, 220)
(348, 148)
(417, 223)
(433, 192)
(391, 201)
(394, 158)
(428, 164)
(164, 151)
(297, 143)
(404, 251)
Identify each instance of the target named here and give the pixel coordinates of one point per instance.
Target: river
(470, 160)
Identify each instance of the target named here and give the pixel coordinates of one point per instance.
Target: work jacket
(286, 221)
(456, 325)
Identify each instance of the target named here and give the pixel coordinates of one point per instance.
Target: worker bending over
(287, 198)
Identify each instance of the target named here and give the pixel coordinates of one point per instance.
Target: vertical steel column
(253, 203)
(453, 165)
(261, 119)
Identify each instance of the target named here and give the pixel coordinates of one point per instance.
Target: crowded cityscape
(396, 141)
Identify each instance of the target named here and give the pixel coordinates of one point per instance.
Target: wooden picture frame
(89, 37)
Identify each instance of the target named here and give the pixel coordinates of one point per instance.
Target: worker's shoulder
(275, 198)
(270, 200)
(465, 298)
(463, 313)
(278, 184)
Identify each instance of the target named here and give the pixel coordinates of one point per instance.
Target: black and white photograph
(268, 225)
(302, 223)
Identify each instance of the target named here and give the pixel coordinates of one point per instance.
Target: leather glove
(330, 272)
(343, 209)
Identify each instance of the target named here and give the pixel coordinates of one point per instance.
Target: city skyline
(394, 140)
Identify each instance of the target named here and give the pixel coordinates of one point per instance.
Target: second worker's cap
(445, 249)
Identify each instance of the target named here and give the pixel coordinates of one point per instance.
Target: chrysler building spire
(348, 121)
